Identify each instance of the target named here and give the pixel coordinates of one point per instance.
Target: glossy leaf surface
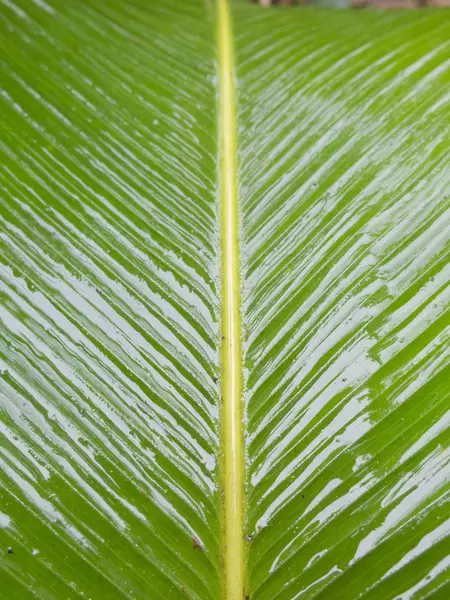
(110, 300)
(344, 145)
(109, 304)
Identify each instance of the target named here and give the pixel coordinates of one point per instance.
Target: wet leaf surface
(110, 300)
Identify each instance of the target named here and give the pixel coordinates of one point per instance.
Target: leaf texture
(344, 185)
(109, 300)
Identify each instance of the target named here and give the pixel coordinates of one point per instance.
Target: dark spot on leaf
(215, 379)
(10, 550)
(196, 543)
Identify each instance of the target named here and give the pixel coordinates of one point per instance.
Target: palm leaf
(110, 374)
(344, 147)
(109, 305)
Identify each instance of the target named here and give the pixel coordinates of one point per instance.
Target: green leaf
(344, 184)
(110, 301)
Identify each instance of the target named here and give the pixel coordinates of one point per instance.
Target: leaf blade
(346, 300)
(109, 312)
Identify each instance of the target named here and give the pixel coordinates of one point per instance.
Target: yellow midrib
(232, 413)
